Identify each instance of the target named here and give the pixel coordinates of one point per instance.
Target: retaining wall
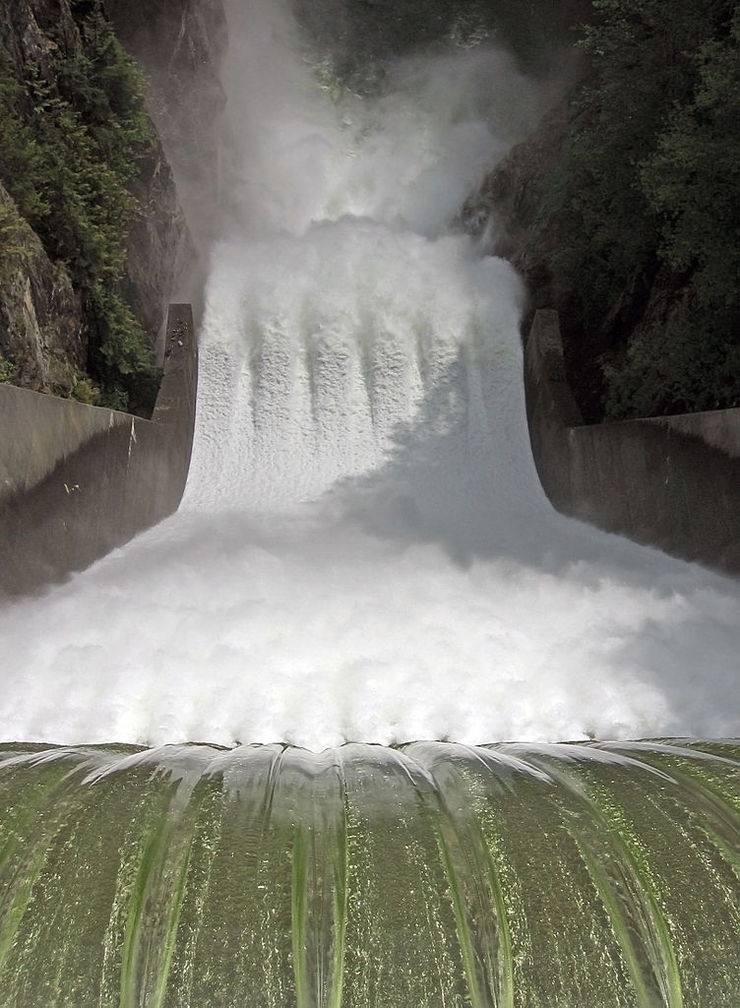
(77, 481)
(671, 482)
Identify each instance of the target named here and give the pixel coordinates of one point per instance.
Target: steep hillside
(91, 235)
(623, 211)
(179, 45)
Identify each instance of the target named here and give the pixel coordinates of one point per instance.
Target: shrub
(7, 371)
(86, 391)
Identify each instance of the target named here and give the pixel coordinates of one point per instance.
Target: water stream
(593, 876)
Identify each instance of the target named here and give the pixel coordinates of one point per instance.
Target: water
(364, 552)
(435, 875)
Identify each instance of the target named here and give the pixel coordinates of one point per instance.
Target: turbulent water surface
(364, 551)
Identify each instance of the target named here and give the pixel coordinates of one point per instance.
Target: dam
(215, 785)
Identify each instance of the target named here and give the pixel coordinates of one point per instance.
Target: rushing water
(364, 552)
(434, 876)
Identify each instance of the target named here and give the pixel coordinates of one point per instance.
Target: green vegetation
(71, 143)
(7, 371)
(86, 391)
(13, 247)
(647, 200)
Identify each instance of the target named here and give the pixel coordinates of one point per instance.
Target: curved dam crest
(432, 874)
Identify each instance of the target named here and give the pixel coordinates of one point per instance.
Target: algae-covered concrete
(671, 482)
(429, 876)
(76, 481)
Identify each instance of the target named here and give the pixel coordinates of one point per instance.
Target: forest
(73, 131)
(645, 206)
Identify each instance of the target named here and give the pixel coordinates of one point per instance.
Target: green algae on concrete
(433, 875)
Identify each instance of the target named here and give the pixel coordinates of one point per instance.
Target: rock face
(512, 220)
(42, 333)
(179, 44)
(507, 206)
(160, 249)
(25, 32)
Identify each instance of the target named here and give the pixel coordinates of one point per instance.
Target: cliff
(42, 344)
(179, 44)
(517, 214)
(92, 237)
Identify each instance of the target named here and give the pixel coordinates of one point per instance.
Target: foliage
(14, 248)
(20, 157)
(693, 178)
(122, 358)
(70, 145)
(649, 193)
(692, 181)
(7, 370)
(690, 365)
(86, 391)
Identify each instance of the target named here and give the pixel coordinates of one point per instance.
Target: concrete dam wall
(77, 481)
(671, 482)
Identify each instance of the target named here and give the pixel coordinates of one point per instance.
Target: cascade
(364, 555)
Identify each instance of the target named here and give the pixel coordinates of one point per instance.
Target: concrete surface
(671, 482)
(77, 481)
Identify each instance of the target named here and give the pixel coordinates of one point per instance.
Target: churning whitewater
(364, 551)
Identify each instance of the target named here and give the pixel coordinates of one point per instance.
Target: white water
(364, 551)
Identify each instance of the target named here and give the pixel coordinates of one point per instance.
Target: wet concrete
(671, 482)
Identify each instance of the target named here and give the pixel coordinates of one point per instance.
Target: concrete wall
(671, 482)
(76, 481)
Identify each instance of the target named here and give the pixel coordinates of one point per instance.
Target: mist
(364, 552)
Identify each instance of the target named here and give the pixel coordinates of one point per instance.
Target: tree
(648, 196)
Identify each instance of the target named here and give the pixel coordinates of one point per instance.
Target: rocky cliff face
(179, 44)
(44, 332)
(623, 212)
(512, 218)
(42, 336)
(507, 206)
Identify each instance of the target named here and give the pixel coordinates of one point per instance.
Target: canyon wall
(47, 330)
(179, 44)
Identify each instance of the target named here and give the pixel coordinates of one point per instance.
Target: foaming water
(364, 551)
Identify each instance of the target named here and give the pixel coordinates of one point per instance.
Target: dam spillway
(434, 874)
(364, 555)
(364, 552)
